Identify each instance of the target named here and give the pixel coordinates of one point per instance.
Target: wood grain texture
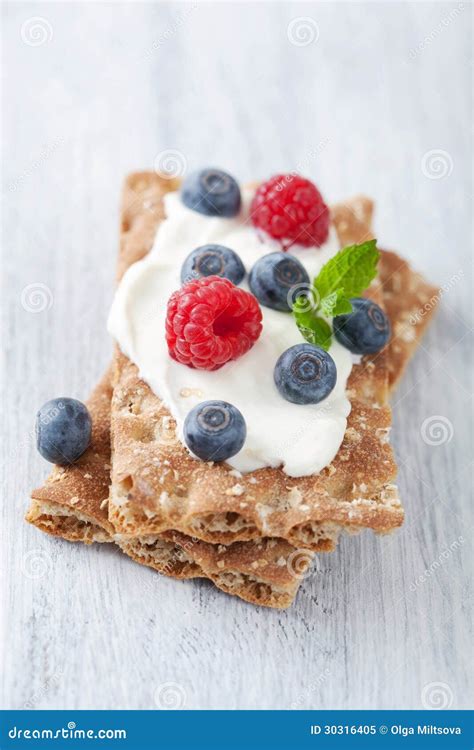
(360, 108)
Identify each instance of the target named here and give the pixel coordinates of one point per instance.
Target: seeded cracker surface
(73, 502)
(157, 485)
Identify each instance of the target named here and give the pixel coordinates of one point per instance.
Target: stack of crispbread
(253, 535)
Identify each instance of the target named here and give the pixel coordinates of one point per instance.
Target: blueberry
(305, 374)
(211, 192)
(214, 430)
(277, 279)
(213, 260)
(365, 330)
(63, 430)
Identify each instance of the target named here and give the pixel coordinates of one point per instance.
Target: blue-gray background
(362, 97)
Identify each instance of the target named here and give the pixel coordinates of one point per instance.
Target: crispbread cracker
(72, 504)
(211, 503)
(157, 486)
(411, 303)
(264, 571)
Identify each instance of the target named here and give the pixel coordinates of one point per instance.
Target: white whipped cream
(303, 439)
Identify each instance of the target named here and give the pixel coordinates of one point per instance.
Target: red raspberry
(291, 209)
(211, 321)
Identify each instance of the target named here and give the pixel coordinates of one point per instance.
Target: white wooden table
(367, 98)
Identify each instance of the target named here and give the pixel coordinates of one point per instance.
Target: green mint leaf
(319, 334)
(346, 275)
(304, 311)
(312, 327)
(327, 304)
(335, 303)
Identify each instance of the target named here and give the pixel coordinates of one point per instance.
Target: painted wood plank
(367, 98)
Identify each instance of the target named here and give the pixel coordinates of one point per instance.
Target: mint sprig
(312, 327)
(345, 275)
